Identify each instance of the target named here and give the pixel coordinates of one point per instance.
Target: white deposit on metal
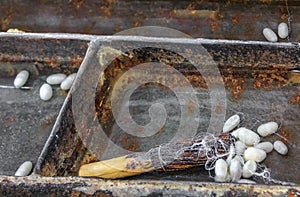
(267, 129)
(67, 83)
(255, 154)
(246, 181)
(266, 146)
(221, 170)
(231, 123)
(240, 147)
(21, 78)
(280, 147)
(270, 35)
(24, 169)
(249, 168)
(56, 79)
(46, 92)
(247, 136)
(235, 170)
(283, 30)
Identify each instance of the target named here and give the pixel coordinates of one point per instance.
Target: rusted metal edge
(76, 186)
(142, 39)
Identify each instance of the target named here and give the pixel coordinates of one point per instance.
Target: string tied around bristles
(203, 149)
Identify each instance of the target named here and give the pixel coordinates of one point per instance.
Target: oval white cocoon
(235, 170)
(280, 147)
(255, 154)
(270, 35)
(283, 30)
(56, 79)
(231, 123)
(46, 92)
(266, 146)
(24, 169)
(67, 83)
(21, 78)
(221, 170)
(247, 136)
(267, 129)
(249, 168)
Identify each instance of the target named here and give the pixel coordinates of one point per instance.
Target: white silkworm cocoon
(24, 169)
(283, 30)
(55, 79)
(21, 78)
(267, 129)
(240, 147)
(246, 181)
(249, 168)
(266, 146)
(235, 170)
(221, 170)
(46, 92)
(67, 82)
(247, 136)
(280, 147)
(255, 154)
(270, 35)
(231, 123)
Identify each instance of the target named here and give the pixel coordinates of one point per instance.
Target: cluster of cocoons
(247, 151)
(283, 32)
(63, 80)
(46, 91)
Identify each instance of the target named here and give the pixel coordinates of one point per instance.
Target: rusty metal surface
(257, 84)
(74, 186)
(25, 120)
(257, 81)
(241, 20)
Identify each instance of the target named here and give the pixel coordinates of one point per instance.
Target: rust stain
(76, 61)
(5, 21)
(235, 19)
(236, 86)
(269, 79)
(214, 21)
(193, 13)
(88, 158)
(117, 28)
(267, 2)
(286, 135)
(137, 23)
(106, 9)
(295, 99)
(77, 3)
